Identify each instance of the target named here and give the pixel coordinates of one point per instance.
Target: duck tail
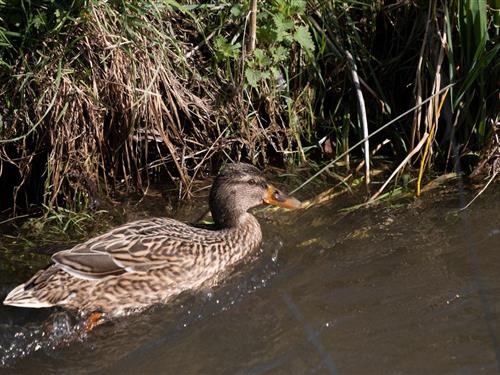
(22, 297)
(32, 293)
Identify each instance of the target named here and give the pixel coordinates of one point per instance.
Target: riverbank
(105, 98)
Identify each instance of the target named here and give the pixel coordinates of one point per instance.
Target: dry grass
(118, 104)
(105, 96)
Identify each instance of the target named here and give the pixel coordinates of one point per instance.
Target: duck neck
(227, 213)
(227, 219)
(245, 234)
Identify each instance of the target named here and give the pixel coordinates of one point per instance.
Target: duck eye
(252, 182)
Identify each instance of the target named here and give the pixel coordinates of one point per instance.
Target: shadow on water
(386, 289)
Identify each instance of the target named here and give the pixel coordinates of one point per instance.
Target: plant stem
(362, 116)
(253, 27)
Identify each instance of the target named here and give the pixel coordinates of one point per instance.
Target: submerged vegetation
(104, 96)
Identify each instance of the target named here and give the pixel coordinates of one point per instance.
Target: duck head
(239, 187)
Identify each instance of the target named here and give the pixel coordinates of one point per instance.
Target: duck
(151, 261)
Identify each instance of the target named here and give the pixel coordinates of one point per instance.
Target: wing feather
(134, 247)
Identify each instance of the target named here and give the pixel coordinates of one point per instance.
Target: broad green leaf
(283, 27)
(261, 58)
(298, 6)
(224, 49)
(279, 54)
(236, 10)
(252, 76)
(303, 37)
(265, 75)
(275, 72)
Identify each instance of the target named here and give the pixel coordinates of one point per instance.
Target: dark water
(411, 288)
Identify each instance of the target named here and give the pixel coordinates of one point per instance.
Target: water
(412, 288)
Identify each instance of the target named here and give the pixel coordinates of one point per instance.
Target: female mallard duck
(151, 261)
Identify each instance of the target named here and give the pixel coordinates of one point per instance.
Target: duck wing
(134, 247)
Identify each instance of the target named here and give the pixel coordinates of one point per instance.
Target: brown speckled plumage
(151, 261)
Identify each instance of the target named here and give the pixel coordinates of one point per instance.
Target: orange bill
(278, 198)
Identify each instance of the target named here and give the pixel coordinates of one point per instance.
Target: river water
(411, 287)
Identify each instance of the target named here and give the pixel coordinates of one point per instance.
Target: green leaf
(39, 20)
(298, 6)
(283, 26)
(303, 37)
(265, 75)
(279, 54)
(236, 10)
(224, 49)
(275, 72)
(252, 76)
(261, 58)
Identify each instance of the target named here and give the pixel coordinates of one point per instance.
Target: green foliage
(24, 25)
(473, 60)
(280, 26)
(225, 50)
(303, 37)
(60, 220)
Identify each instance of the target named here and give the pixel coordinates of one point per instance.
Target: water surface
(406, 288)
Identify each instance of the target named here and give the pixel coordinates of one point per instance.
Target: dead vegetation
(114, 101)
(106, 96)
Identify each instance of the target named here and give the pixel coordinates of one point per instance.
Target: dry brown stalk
(252, 34)
(400, 167)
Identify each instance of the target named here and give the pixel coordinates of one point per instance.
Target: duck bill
(278, 198)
